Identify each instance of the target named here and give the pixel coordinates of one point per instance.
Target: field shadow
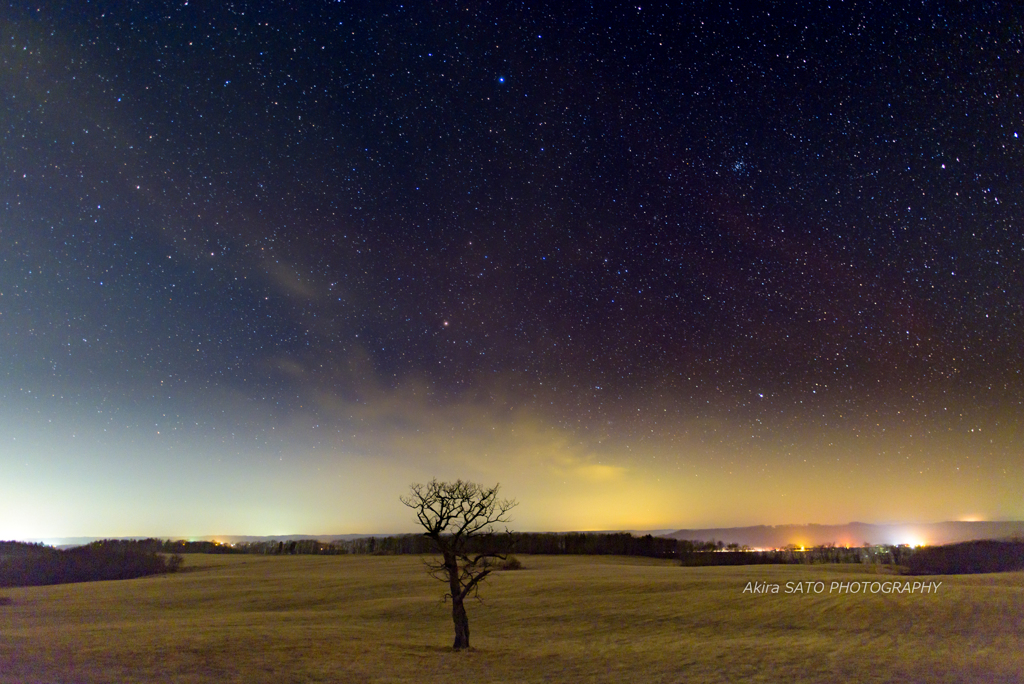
(434, 649)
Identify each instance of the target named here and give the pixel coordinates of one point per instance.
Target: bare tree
(460, 516)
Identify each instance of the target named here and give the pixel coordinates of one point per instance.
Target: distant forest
(961, 558)
(688, 552)
(24, 564)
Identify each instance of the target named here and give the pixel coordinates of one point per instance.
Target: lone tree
(460, 516)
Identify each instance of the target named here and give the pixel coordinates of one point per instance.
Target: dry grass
(604, 619)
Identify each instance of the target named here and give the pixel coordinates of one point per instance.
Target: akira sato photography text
(835, 587)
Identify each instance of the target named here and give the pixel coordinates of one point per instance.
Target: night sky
(263, 265)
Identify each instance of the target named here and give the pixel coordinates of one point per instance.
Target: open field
(578, 618)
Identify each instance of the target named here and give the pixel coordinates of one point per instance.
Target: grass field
(560, 619)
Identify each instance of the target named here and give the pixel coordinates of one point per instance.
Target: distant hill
(759, 536)
(239, 539)
(856, 534)
(71, 542)
(29, 565)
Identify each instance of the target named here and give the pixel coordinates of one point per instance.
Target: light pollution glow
(270, 306)
(342, 468)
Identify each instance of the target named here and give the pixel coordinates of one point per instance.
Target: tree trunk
(461, 621)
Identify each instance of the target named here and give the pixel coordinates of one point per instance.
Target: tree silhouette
(459, 517)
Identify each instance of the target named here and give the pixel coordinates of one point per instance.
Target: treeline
(596, 544)
(968, 558)
(534, 543)
(24, 565)
(567, 543)
(698, 554)
(688, 552)
(692, 553)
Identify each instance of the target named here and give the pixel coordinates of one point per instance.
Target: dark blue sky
(645, 265)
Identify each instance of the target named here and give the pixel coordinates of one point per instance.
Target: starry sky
(264, 264)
